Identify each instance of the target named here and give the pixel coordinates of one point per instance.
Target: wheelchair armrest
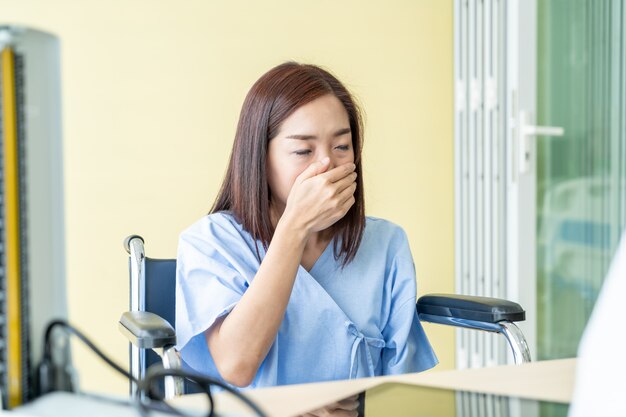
(147, 330)
(466, 307)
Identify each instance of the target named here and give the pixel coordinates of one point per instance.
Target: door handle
(528, 131)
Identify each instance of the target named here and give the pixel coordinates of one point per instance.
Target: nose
(327, 153)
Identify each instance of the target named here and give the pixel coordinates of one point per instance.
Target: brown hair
(274, 97)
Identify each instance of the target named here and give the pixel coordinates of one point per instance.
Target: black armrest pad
(485, 309)
(147, 330)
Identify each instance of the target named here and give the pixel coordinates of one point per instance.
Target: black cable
(47, 354)
(162, 407)
(144, 390)
(157, 371)
(154, 372)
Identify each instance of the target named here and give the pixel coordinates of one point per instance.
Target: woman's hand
(320, 197)
(344, 408)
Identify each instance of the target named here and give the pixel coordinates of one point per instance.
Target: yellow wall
(151, 92)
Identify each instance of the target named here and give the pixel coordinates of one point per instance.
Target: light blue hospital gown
(340, 323)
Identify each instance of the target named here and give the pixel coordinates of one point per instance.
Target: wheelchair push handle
(129, 239)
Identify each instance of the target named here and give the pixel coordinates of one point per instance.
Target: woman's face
(316, 130)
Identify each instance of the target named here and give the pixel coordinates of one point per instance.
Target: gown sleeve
(208, 284)
(407, 348)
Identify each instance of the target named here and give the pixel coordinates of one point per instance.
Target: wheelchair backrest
(159, 297)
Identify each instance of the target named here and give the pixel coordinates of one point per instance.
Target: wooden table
(548, 381)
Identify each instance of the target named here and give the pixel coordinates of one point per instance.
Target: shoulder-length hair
(274, 97)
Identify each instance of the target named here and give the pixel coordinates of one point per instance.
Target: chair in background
(152, 310)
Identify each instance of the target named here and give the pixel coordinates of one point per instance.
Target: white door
(567, 132)
(540, 144)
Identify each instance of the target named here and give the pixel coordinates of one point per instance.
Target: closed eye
(303, 152)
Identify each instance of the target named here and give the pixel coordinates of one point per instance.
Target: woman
(287, 281)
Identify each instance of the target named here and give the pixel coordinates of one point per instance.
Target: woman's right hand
(320, 197)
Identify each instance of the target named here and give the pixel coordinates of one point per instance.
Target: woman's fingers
(346, 182)
(328, 412)
(316, 168)
(348, 192)
(343, 408)
(338, 173)
(343, 413)
(319, 200)
(343, 201)
(347, 404)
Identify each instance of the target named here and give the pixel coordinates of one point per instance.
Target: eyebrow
(338, 133)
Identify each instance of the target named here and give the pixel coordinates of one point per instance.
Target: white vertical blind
(480, 191)
(480, 155)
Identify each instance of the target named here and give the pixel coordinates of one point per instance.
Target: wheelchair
(152, 310)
